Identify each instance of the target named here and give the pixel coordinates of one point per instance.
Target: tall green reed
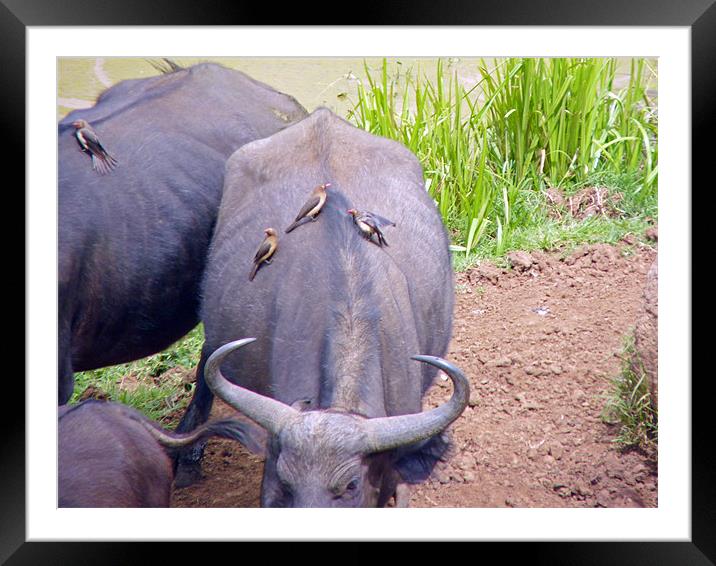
(527, 125)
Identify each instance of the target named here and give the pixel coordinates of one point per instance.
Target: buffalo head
(329, 457)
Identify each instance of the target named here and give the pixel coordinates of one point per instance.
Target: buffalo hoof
(188, 473)
(402, 495)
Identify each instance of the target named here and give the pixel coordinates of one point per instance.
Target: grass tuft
(629, 404)
(160, 385)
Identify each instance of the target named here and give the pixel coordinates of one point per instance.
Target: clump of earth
(589, 201)
(540, 341)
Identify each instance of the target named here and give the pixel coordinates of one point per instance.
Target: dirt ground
(539, 342)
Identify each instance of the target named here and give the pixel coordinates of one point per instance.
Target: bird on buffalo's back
(265, 251)
(370, 224)
(311, 207)
(102, 161)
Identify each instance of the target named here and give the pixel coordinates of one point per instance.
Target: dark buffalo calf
(110, 455)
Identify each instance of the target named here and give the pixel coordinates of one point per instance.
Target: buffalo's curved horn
(385, 433)
(267, 412)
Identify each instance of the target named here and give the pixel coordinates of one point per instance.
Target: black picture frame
(17, 15)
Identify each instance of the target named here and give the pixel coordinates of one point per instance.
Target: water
(313, 81)
(325, 81)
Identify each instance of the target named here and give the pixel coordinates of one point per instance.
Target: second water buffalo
(336, 319)
(133, 241)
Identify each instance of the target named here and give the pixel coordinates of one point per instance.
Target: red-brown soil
(540, 342)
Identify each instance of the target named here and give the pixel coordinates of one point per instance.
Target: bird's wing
(102, 161)
(307, 207)
(263, 251)
(93, 143)
(381, 221)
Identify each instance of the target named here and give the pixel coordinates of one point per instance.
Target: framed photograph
(58, 61)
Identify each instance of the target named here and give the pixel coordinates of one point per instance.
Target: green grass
(489, 152)
(628, 404)
(148, 384)
(537, 229)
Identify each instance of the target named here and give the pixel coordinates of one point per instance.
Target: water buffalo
(335, 317)
(133, 242)
(111, 455)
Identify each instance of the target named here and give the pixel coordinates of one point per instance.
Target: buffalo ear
(250, 435)
(417, 462)
(255, 440)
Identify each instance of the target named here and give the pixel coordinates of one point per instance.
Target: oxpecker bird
(370, 224)
(102, 161)
(265, 251)
(311, 208)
